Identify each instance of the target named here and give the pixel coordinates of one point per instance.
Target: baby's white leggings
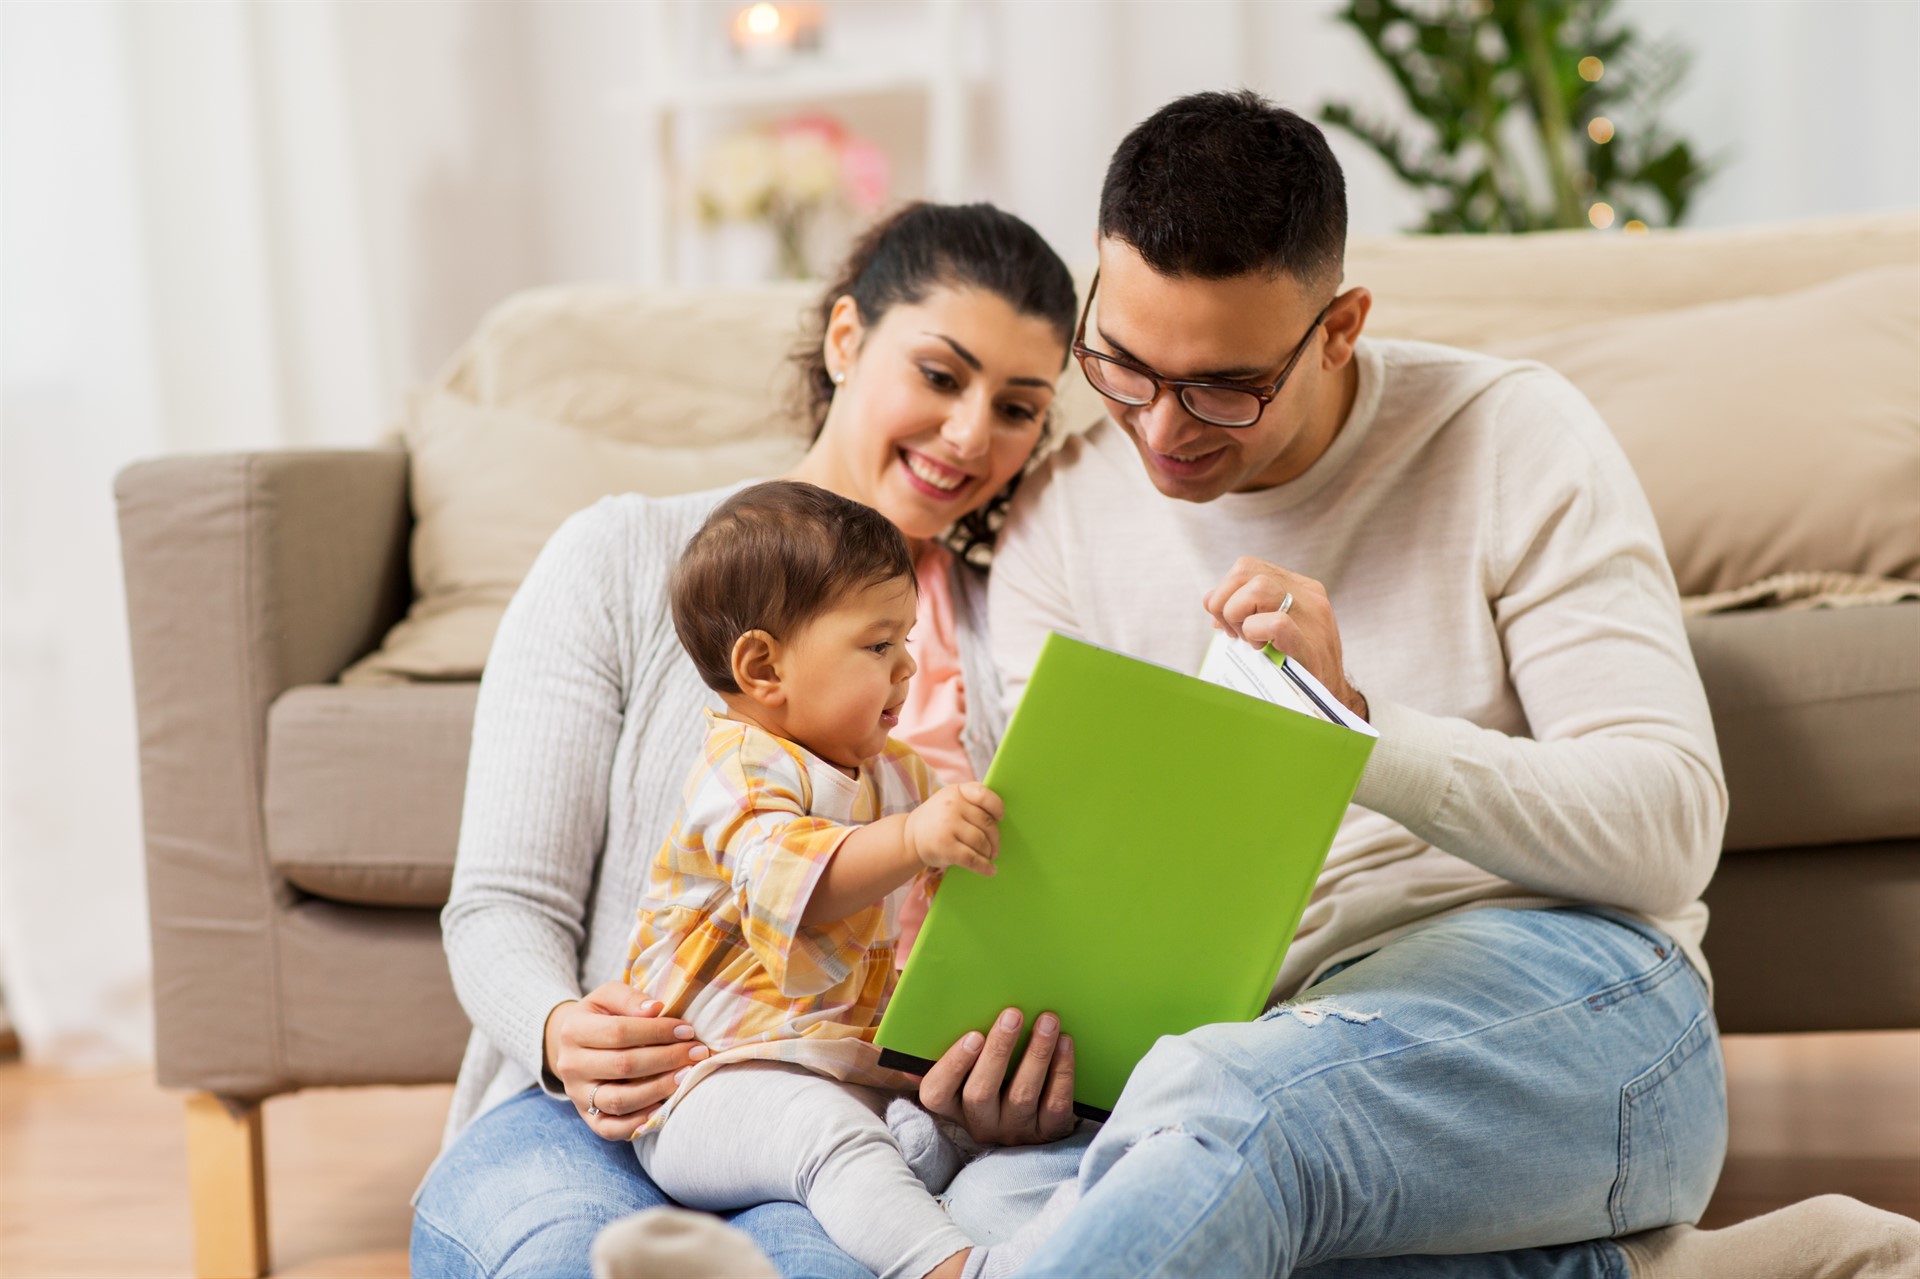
(764, 1131)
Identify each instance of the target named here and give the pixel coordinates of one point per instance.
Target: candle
(767, 34)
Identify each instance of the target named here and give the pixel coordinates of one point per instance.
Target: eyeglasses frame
(1265, 394)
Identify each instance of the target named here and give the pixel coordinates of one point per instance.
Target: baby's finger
(994, 806)
(979, 865)
(971, 838)
(979, 818)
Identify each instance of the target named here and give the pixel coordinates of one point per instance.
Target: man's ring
(593, 1111)
(1286, 602)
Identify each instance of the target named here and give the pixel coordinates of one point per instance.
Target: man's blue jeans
(1497, 1080)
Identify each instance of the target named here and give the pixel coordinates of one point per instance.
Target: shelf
(803, 82)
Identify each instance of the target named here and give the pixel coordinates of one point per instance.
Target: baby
(771, 913)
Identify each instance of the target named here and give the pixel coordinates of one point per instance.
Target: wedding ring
(593, 1111)
(1286, 602)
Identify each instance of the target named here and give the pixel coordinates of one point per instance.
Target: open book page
(1267, 675)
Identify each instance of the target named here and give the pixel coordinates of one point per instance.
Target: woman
(929, 384)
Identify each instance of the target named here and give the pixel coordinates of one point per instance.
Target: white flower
(808, 166)
(737, 177)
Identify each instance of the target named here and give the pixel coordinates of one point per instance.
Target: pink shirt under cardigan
(936, 707)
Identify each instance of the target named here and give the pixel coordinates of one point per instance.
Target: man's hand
(1246, 605)
(958, 826)
(969, 1084)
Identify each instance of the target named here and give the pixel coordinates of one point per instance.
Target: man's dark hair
(1216, 185)
(772, 558)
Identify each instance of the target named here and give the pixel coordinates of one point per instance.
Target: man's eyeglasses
(1132, 383)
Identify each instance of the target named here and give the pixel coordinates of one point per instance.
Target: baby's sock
(934, 1156)
(672, 1243)
(1831, 1237)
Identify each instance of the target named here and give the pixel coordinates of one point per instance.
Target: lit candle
(768, 34)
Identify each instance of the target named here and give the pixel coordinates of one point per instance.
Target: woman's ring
(1286, 602)
(593, 1111)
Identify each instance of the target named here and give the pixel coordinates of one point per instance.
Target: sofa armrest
(246, 574)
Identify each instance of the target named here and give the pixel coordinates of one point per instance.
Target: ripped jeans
(1522, 1083)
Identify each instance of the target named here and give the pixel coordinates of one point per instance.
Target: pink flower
(825, 128)
(864, 174)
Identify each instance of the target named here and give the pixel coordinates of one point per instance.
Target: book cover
(1162, 837)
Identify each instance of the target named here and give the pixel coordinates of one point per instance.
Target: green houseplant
(1537, 114)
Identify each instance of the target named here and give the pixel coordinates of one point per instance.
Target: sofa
(300, 826)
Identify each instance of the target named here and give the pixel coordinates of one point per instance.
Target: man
(1494, 1050)
(1499, 1034)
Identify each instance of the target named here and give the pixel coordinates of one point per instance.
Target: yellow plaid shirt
(719, 939)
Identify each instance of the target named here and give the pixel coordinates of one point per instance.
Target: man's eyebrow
(1211, 375)
(973, 362)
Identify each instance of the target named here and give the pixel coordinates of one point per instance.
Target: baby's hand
(959, 826)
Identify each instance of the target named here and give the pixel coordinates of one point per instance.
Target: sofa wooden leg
(227, 1175)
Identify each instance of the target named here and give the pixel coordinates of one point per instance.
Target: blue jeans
(1491, 1083)
(527, 1186)
(1532, 1078)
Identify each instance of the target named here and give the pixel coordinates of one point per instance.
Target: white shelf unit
(684, 42)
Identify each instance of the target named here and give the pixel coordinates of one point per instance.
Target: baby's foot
(934, 1158)
(672, 1243)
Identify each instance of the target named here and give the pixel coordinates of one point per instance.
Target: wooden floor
(93, 1171)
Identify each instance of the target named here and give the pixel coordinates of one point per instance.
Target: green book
(1163, 834)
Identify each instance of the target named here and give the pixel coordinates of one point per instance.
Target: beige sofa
(300, 831)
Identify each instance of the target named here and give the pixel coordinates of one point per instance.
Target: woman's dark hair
(923, 247)
(1215, 185)
(772, 558)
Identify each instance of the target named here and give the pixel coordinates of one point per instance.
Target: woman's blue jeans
(528, 1185)
(1491, 1083)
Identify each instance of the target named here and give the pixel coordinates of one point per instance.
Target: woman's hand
(969, 1084)
(615, 1040)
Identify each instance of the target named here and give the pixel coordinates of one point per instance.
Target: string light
(1591, 69)
(1635, 226)
(1600, 129)
(1600, 214)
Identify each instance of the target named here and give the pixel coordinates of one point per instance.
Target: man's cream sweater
(1504, 603)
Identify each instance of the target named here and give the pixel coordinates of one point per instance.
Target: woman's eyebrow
(973, 362)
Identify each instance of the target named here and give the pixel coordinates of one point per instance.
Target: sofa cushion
(1816, 714)
(489, 487)
(1772, 434)
(1478, 291)
(364, 787)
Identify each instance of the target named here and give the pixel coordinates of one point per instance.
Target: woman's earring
(839, 379)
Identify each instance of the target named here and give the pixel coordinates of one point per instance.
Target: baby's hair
(772, 558)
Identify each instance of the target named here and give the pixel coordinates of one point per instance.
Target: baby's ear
(756, 668)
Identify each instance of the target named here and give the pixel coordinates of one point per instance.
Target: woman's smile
(933, 477)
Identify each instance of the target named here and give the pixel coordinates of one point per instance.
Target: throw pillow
(489, 487)
(1772, 434)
